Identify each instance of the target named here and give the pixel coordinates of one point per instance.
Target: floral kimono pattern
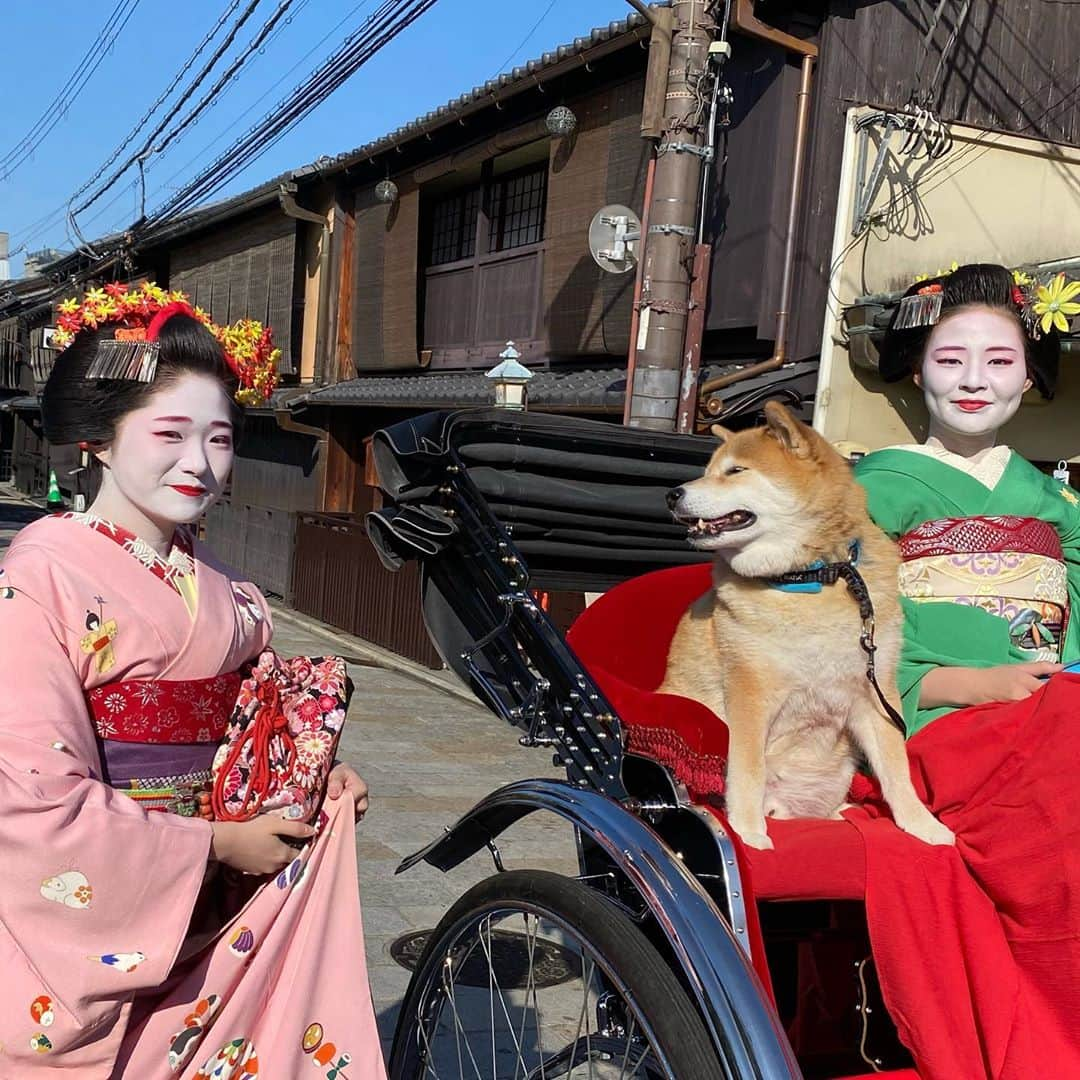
(122, 954)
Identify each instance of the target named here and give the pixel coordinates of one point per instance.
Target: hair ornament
(1043, 304)
(139, 315)
(1050, 306)
(922, 308)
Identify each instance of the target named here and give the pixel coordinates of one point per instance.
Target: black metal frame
(639, 838)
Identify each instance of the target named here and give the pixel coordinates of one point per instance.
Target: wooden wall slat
(369, 246)
(577, 188)
(244, 269)
(628, 160)
(400, 268)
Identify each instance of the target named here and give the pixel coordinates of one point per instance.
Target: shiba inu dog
(782, 666)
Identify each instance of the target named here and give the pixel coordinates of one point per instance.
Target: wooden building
(393, 275)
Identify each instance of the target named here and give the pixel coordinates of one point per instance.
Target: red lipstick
(971, 404)
(185, 489)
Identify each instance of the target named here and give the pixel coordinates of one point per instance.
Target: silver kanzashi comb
(922, 309)
(133, 360)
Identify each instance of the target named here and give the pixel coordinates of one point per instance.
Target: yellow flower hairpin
(1054, 304)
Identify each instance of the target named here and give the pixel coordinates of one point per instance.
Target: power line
(161, 98)
(247, 112)
(379, 29)
(389, 20)
(225, 76)
(86, 67)
(44, 224)
(526, 39)
(176, 107)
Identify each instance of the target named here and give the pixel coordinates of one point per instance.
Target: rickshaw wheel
(534, 975)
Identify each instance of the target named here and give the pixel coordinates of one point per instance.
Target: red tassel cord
(268, 725)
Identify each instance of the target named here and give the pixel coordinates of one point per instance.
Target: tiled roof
(580, 388)
(278, 400)
(570, 389)
(492, 91)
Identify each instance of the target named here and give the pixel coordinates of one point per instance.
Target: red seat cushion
(812, 860)
(628, 630)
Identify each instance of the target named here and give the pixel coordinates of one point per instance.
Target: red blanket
(978, 949)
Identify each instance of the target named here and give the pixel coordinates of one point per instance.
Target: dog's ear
(722, 434)
(791, 434)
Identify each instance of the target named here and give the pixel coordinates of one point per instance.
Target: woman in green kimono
(978, 948)
(984, 619)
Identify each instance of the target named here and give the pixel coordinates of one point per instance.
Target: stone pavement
(428, 756)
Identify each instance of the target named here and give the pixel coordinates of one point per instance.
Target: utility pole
(665, 304)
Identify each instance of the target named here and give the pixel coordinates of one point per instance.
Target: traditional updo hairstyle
(77, 409)
(984, 285)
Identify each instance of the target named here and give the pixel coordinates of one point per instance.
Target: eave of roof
(582, 50)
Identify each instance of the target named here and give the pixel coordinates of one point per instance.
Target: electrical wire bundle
(391, 17)
(24, 149)
(162, 128)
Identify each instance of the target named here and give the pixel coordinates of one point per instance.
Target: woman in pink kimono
(135, 942)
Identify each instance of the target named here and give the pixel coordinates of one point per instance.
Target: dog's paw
(930, 831)
(754, 837)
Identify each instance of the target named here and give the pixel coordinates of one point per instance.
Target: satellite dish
(614, 238)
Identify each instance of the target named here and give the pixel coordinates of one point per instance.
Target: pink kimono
(122, 953)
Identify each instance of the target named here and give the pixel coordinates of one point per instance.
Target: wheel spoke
(585, 1001)
(542, 947)
(520, 1040)
(459, 1031)
(629, 1043)
(493, 985)
(531, 982)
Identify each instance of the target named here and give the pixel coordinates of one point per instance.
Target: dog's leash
(829, 574)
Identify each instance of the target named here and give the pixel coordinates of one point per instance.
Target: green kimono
(906, 488)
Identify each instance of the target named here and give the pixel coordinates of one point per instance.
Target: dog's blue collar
(817, 574)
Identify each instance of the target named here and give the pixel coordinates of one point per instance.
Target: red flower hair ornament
(139, 315)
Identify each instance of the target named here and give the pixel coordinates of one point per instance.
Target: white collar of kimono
(177, 559)
(987, 466)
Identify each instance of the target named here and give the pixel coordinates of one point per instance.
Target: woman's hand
(980, 686)
(255, 846)
(344, 778)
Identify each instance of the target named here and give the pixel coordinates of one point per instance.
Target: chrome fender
(743, 1025)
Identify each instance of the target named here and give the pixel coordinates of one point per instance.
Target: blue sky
(454, 46)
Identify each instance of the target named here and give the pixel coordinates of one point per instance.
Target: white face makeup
(973, 375)
(170, 458)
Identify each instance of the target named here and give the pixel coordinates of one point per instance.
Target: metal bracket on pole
(626, 237)
(865, 190)
(706, 153)
(682, 230)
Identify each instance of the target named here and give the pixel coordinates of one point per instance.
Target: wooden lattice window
(453, 227)
(516, 215)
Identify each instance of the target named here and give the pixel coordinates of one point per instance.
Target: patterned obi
(158, 738)
(1011, 567)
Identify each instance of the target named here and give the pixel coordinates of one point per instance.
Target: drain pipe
(291, 208)
(744, 22)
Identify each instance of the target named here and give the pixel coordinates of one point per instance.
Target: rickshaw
(657, 959)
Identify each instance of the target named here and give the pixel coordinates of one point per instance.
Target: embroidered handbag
(281, 739)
